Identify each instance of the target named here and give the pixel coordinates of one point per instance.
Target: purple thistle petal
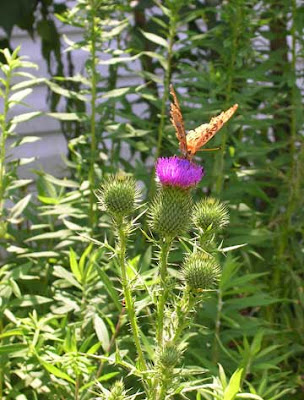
(174, 171)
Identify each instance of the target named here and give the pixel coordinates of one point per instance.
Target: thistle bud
(201, 271)
(170, 356)
(118, 195)
(170, 212)
(117, 392)
(210, 215)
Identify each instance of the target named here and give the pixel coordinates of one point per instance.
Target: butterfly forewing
(201, 135)
(178, 122)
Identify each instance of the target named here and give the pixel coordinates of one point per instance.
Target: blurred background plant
(58, 305)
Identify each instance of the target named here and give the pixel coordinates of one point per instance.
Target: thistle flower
(201, 271)
(210, 215)
(174, 171)
(118, 195)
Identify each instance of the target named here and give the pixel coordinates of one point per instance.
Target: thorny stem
(128, 295)
(93, 114)
(163, 261)
(184, 309)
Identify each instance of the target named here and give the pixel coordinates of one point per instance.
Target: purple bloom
(174, 171)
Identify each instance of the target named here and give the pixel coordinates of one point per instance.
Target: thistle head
(178, 172)
(210, 215)
(170, 212)
(118, 195)
(201, 271)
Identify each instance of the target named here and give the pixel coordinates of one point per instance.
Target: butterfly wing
(200, 136)
(178, 122)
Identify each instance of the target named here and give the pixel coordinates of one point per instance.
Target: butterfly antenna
(214, 149)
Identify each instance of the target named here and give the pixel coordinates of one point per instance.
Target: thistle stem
(163, 261)
(128, 295)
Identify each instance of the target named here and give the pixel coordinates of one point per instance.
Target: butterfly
(190, 143)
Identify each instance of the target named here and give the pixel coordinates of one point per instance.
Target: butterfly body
(190, 143)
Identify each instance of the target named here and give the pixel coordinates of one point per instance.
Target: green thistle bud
(201, 271)
(118, 195)
(170, 211)
(210, 215)
(170, 356)
(117, 392)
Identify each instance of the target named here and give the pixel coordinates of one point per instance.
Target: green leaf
(56, 371)
(116, 93)
(18, 209)
(60, 272)
(25, 84)
(29, 300)
(12, 332)
(68, 116)
(155, 39)
(74, 265)
(109, 287)
(12, 348)
(59, 234)
(25, 117)
(102, 333)
(19, 96)
(233, 385)
(39, 254)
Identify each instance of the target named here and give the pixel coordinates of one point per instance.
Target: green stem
(186, 305)
(163, 261)
(184, 309)
(4, 134)
(167, 79)
(92, 213)
(220, 164)
(217, 326)
(293, 168)
(128, 295)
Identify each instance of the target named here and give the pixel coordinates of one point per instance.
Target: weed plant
(116, 305)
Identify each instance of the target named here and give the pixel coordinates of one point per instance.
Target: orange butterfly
(190, 143)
